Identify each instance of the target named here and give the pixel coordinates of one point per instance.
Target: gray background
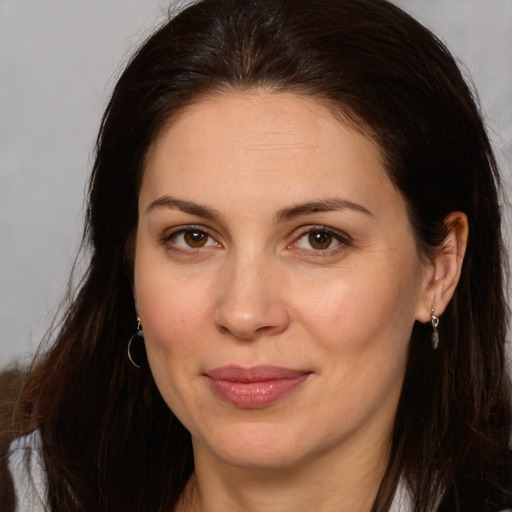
(58, 62)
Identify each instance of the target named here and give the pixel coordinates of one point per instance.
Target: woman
(295, 291)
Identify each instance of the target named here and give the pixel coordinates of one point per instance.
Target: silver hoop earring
(136, 349)
(434, 337)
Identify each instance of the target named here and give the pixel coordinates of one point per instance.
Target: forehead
(280, 144)
(265, 108)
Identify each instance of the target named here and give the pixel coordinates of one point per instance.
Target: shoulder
(26, 467)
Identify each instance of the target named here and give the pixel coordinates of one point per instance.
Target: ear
(443, 271)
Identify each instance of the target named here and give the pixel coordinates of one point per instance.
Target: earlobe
(444, 271)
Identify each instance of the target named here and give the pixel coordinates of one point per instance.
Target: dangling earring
(136, 348)
(434, 337)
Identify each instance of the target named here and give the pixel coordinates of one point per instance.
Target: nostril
(246, 327)
(266, 329)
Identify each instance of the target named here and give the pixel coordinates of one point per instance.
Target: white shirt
(28, 474)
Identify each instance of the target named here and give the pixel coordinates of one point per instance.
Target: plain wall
(58, 63)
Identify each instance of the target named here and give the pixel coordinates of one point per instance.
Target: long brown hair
(110, 442)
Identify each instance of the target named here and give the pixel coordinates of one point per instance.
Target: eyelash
(342, 241)
(169, 239)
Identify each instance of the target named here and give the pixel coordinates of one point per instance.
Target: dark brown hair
(110, 441)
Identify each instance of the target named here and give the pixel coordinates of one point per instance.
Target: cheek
(168, 301)
(361, 325)
(173, 319)
(174, 311)
(368, 307)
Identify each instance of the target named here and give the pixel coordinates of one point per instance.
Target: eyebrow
(288, 213)
(185, 206)
(325, 205)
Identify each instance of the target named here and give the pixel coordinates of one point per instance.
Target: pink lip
(256, 387)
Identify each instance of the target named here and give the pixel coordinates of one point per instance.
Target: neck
(332, 482)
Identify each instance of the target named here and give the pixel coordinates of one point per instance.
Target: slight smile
(256, 387)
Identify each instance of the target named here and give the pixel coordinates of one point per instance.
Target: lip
(255, 387)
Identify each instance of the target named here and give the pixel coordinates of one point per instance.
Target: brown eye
(190, 239)
(195, 238)
(320, 240)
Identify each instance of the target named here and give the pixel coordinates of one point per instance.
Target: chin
(260, 446)
(256, 446)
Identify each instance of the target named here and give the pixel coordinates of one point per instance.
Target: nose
(250, 301)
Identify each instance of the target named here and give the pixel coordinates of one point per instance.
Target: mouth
(256, 387)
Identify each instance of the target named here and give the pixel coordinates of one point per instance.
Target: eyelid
(171, 233)
(343, 238)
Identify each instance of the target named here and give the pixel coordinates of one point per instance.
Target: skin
(257, 289)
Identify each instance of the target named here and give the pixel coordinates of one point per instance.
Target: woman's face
(277, 279)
